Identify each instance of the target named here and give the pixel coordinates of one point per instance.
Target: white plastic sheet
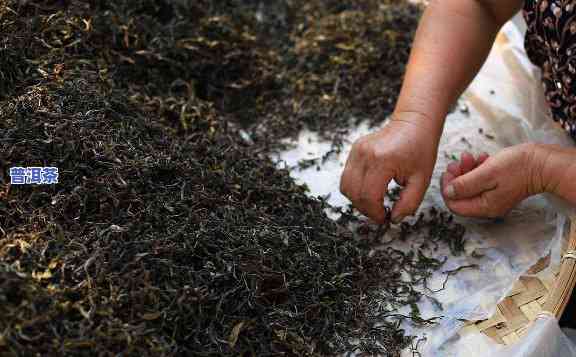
(506, 103)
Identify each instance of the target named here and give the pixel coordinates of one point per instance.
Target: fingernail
(397, 219)
(450, 192)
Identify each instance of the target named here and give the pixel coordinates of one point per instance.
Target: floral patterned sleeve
(551, 45)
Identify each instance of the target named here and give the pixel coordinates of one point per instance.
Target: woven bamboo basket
(531, 297)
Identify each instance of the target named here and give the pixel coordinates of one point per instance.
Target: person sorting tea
(452, 42)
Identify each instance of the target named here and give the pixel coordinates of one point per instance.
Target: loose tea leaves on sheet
(170, 232)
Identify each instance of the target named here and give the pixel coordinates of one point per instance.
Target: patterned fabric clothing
(551, 44)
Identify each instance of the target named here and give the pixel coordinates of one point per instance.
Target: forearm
(452, 42)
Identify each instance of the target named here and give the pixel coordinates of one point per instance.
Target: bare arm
(452, 42)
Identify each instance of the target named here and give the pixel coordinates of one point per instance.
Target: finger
(410, 199)
(446, 178)
(467, 162)
(470, 207)
(471, 184)
(482, 157)
(352, 176)
(454, 168)
(371, 200)
(482, 206)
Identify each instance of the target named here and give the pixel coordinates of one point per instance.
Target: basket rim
(566, 279)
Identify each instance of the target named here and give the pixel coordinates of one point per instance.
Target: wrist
(538, 166)
(552, 169)
(431, 126)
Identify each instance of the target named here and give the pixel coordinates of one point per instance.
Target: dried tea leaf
(152, 316)
(233, 338)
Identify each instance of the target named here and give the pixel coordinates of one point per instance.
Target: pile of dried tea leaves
(170, 232)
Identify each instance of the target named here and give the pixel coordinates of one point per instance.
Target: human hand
(404, 150)
(491, 186)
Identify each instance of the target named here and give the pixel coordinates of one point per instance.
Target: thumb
(469, 185)
(410, 199)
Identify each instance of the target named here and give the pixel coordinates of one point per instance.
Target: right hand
(404, 150)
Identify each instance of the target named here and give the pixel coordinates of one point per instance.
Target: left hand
(491, 186)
